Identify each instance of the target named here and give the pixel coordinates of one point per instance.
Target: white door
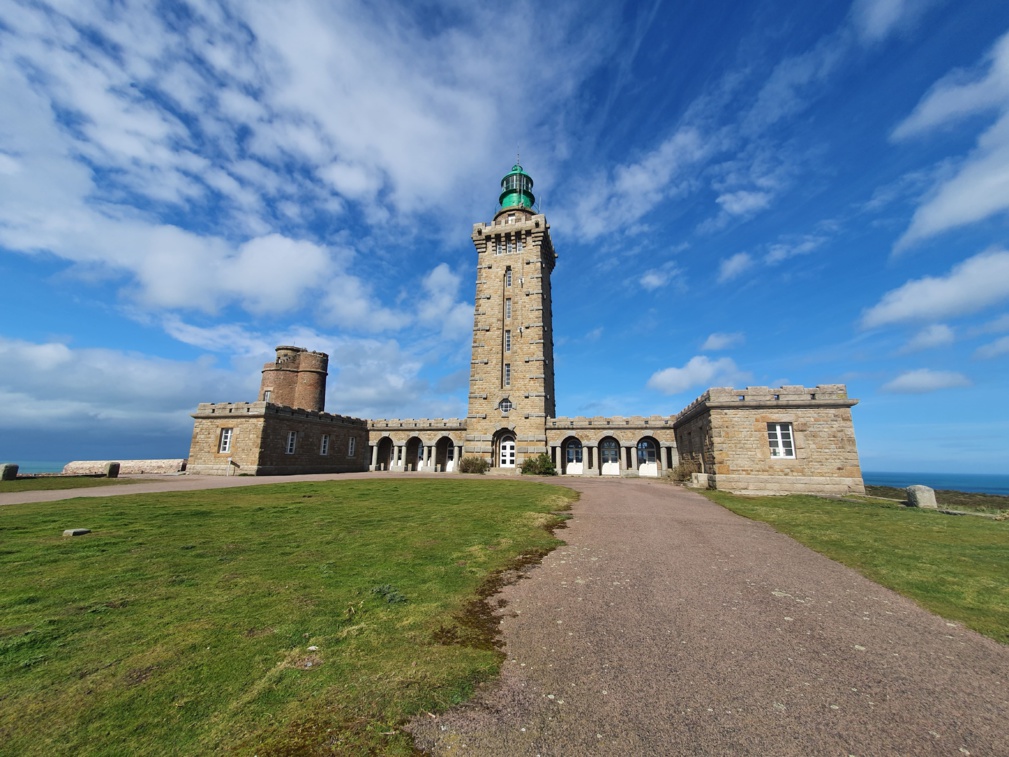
(648, 464)
(450, 459)
(508, 453)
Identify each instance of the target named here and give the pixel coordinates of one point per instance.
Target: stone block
(111, 470)
(8, 472)
(76, 531)
(700, 481)
(921, 496)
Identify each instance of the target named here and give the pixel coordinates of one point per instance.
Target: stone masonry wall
(260, 436)
(733, 426)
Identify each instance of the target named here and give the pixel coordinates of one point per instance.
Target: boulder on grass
(921, 496)
(8, 472)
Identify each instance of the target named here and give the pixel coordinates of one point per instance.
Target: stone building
(286, 431)
(755, 439)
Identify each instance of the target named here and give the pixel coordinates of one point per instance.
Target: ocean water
(985, 483)
(40, 466)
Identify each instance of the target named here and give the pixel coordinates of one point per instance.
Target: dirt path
(670, 626)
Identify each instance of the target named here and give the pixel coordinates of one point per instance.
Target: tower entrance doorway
(507, 456)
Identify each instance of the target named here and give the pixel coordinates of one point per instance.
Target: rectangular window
(518, 245)
(508, 308)
(508, 340)
(779, 437)
(225, 440)
(292, 441)
(267, 394)
(324, 446)
(508, 277)
(351, 446)
(507, 377)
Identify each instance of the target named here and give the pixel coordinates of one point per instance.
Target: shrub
(681, 472)
(473, 464)
(541, 465)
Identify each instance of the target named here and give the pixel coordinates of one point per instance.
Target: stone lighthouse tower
(512, 372)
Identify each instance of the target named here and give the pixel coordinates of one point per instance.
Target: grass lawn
(949, 499)
(282, 619)
(51, 483)
(955, 566)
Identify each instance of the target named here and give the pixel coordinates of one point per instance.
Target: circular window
(505, 405)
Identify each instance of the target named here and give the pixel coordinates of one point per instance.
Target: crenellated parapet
(821, 395)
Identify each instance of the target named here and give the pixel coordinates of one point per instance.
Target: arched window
(646, 451)
(609, 451)
(573, 451)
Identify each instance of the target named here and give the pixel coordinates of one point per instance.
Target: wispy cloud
(721, 341)
(935, 335)
(875, 20)
(700, 371)
(734, 266)
(979, 187)
(993, 349)
(976, 283)
(925, 380)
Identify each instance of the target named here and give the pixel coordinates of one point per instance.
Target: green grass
(948, 498)
(52, 483)
(955, 566)
(182, 623)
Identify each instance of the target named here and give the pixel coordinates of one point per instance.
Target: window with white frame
(508, 340)
(518, 243)
(508, 308)
(267, 394)
(292, 442)
(779, 437)
(498, 246)
(225, 446)
(506, 378)
(324, 445)
(508, 276)
(351, 446)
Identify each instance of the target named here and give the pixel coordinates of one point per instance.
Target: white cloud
(439, 306)
(974, 284)
(612, 202)
(994, 349)
(979, 188)
(54, 386)
(876, 19)
(924, 380)
(721, 341)
(656, 278)
(700, 371)
(781, 251)
(734, 266)
(743, 202)
(935, 335)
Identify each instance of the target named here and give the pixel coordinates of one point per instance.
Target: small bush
(473, 464)
(541, 465)
(681, 472)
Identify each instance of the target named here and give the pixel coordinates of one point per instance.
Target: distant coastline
(982, 483)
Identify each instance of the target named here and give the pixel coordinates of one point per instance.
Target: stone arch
(609, 456)
(444, 455)
(504, 448)
(572, 456)
(413, 459)
(648, 461)
(383, 457)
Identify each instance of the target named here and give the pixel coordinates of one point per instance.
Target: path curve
(670, 626)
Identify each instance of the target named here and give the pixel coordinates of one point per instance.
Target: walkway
(670, 626)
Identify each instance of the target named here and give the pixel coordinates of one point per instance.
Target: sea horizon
(982, 483)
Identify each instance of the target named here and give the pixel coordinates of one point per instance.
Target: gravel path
(670, 626)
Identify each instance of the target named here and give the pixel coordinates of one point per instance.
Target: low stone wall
(126, 467)
(777, 485)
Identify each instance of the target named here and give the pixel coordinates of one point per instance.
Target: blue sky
(740, 193)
